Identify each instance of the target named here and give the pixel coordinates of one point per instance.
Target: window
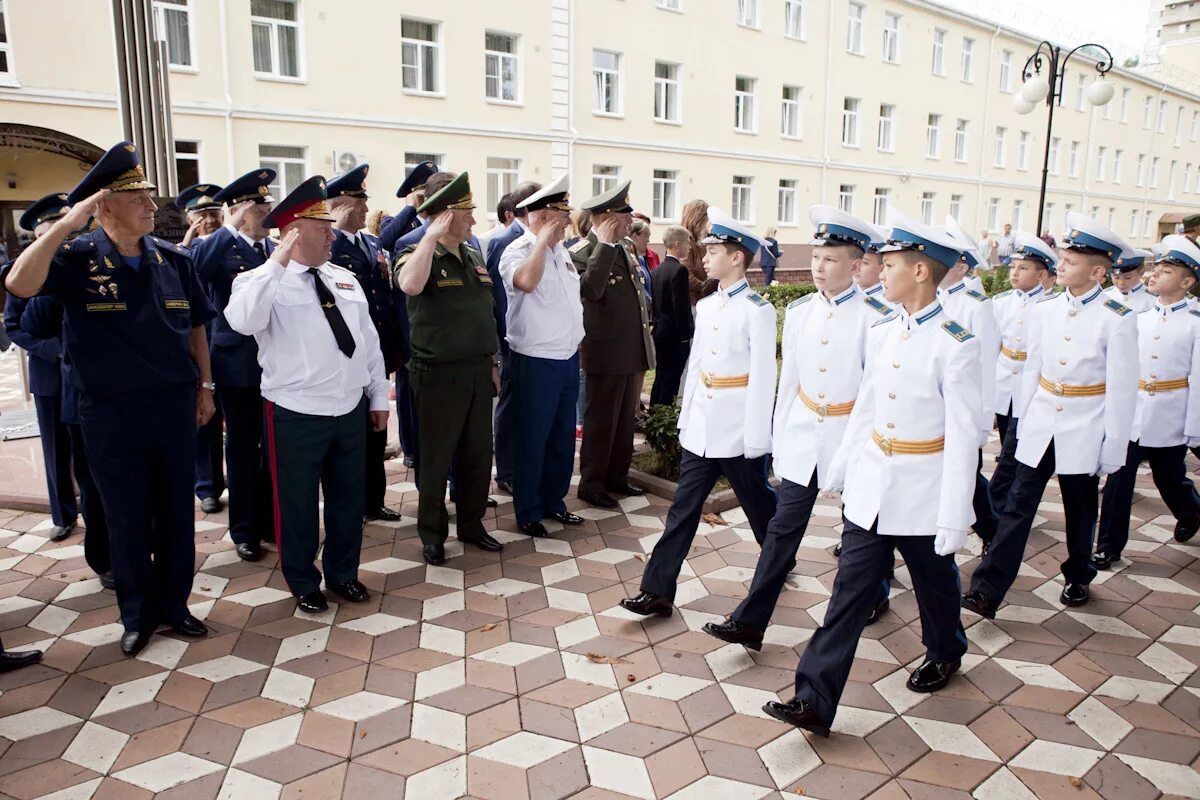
(956, 201)
(854, 28)
(1001, 135)
(1116, 170)
(275, 35)
(1112, 218)
(933, 136)
(1023, 150)
(666, 92)
(1187, 172)
(1171, 180)
(1134, 217)
(606, 82)
(748, 13)
(887, 128)
(793, 19)
(604, 177)
(1080, 80)
(1125, 95)
(787, 202)
(1154, 173)
(666, 195)
(1048, 216)
(741, 205)
(172, 24)
(891, 38)
(502, 177)
(1101, 158)
(187, 163)
(846, 198)
(927, 208)
(1067, 209)
(1073, 160)
(5, 57)
(939, 51)
(993, 215)
(1017, 212)
(1148, 226)
(1179, 127)
(290, 165)
(744, 119)
(411, 160)
(960, 140)
(850, 121)
(1140, 178)
(670, 5)
(1055, 146)
(1147, 112)
(419, 62)
(1195, 125)
(1006, 71)
(790, 119)
(1162, 116)
(881, 206)
(968, 60)
(502, 73)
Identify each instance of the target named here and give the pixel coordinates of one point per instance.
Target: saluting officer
(617, 347)
(1166, 419)
(412, 190)
(204, 214)
(361, 253)
(1127, 287)
(239, 246)
(134, 344)
(1080, 389)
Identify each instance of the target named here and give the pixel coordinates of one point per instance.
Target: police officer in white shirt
(1127, 288)
(870, 266)
(544, 329)
(322, 374)
(905, 471)
(1166, 420)
(725, 414)
(824, 349)
(1079, 393)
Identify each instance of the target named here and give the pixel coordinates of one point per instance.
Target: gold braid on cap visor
(466, 203)
(129, 180)
(318, 210)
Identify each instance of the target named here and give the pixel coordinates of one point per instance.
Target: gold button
(1156, 336)
(1071, 312)
(714, 352)
(891, 395)
(1153, 356)
(820, 369)
(896, 364)
(904, 335)
(1062, 361)
(820, 419)
(820, 395)
(891, 425)
(710, 395)
(1056, 408)
(1018, 338)
(1015, 371)
(824, 341)
(1066, 338)
(829, 315)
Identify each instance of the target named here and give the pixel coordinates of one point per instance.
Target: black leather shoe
(799, 713)
(485, 542)
(435, 554)
(210, 505)
(491, 502)
(504, 486)
(535, 529)
(18, 659)
(628, 489)
(735, 632)
(1103, 560)
(977, 603)
(879, 610)
(932, 675)
(108, 580)
(837, 550)
(1186, 530)
(599, 499)
(384, 513)
(647, 604)
(312, 603)
(249, 551)
(190, 626)
(133, 642)
(352, 591)
(60, 532)
(567, 518)
(1074, 594)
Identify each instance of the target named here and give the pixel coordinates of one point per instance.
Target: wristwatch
(209, 385)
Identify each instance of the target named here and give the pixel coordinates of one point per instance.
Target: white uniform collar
(296, 268)
(921, 317)
(1137, 287)
(841, 298)
(1159, 308)
(956, 288)
(871, 291)
(733, 291)
(1087, 297)
(1031, 294)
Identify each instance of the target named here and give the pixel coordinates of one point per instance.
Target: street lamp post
(1050, 88)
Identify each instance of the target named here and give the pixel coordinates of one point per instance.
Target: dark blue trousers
(543, 392)
(1171, 480)
(697, 476)
(141, 447)
(866, 558)
(56, 456)
(210, 456)
(95, 537)
(1002, 479)
(250, 511)
(505, 421)
(784, 534)
(406, 414)
(1003, 421)
(985, 516)
(998, 569)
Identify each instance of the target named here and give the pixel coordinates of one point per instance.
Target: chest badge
(112, 289)
(108, 264)
(444, 273)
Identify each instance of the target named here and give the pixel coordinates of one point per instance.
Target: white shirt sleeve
(989, 351)
(757, 432)
(253, 295)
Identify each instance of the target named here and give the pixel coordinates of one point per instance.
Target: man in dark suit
(673, 322)
(413, 192)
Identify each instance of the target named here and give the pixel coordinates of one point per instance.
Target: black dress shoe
(1074, 594)
(190, 626)
(1186, 530)
(599, 499)
(735, 632)
(879, 610)
(976, 602)
(647, 604)
(18, 659)
(1103, 560)
(249, 551)
(932, 675)
(534, 529)
(504, 486)
(435, 554)
(133, 642)
(567, 518)
(837, 550)
(484, 542)
(384, 513)
(628, 489)
(353, 591)
(799, 713)
(210, 505)
(312, 603)
(491, 502)
(60, 532)
(108, 580)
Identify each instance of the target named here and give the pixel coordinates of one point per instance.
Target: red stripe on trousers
(269, 407)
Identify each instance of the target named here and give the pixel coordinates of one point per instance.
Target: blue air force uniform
(406, 220)
(504, 423)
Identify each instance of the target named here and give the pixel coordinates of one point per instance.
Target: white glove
(755, 452)
(948, 541)
(1107, 469)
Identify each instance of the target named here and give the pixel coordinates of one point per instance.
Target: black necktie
(333, 314)
(261, 250)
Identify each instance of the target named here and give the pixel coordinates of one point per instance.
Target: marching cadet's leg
(91, 507)
(748, 477)
(1114, 511)
(341, 483)
(473, 458)
(1002, 423)
(441, 415)
(1177, 490)
(175, 548)
(1001, 482)
(296, 447)
(560, 447)
(985, 514)
(939, 598)
(1079, 499)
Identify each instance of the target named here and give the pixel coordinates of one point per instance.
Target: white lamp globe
(1100, 92)
(1035, 89)
(1021, 105)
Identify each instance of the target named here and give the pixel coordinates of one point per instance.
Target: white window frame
(8, 77)
(278, 163)
(667, 93)
(749, 14)
(197, 156)
(275, 24)
(670, 5)
(1018, 211)
(846, 197)
(435, 46)
(1024, 139)
(850, 122)
(604, 181)
(500, 57)
(785, 210)
(1073, 160)
(505, 177)
(1112, 217)
(1171, 172)
(993, 214)
(967, 73)
(791, 112)
(1148, 223)
(160, 8)
(885, 141)
(1101, 161)
(741, 203)
(961, 145)
(1126, 93)
(1000, 156)
(613, 88)
(1140, 176)
(1116, 170)
(1154, 172)
(795, 20)
(745, 105)
(1179, 127)
(1135, 218)
(1080, 85)
(928, 199)
(1187, 178)
(856, 15)
(879, 207)
(933, 136)
(1006, 57)
(1055, 151)
(665, 184)
(891, 37)
(938, 54)
(1161, 120)
(1195, 125)
(1148, 113)
(956, 201)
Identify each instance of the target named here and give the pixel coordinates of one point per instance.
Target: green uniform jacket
(616, 322)
(451, 321)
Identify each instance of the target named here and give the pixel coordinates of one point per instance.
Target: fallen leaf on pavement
(596, 658)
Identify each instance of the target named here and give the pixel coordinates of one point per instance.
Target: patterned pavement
(517, 676)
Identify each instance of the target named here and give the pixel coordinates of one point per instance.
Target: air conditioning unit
(345, 160)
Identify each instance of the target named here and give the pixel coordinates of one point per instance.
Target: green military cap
(454, 195)
(615, 199)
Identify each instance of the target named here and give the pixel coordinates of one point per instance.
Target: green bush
(995, 280)
(660, 426)
(782, 294)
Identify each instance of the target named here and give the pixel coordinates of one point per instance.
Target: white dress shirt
(1079, 341)
(973, 311)
(1139, 298)
(303, 369)
(735, 336)
(1012, 309)
(243, 236)
(824, 350)
(921, 383)
(547, 322)
(1168, 350)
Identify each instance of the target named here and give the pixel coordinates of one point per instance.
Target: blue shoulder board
(1054, 296)
(757, 299)
(976, 295)
(799, 301)
(1194, 313)
(885, 320)
(165, 245)
(1003, 294)
(1118, 308)
(957, 331)
(78, 245)
(878, 306)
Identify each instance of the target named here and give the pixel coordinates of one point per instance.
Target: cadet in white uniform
(870, 266)
(725, 416)
(905, 471)
(1167, 417)
(1127, 288)
(824, 349)
(1080, 388)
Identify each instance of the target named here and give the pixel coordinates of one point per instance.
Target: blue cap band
(1078, 238)
(907, 240)
(842, 235)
